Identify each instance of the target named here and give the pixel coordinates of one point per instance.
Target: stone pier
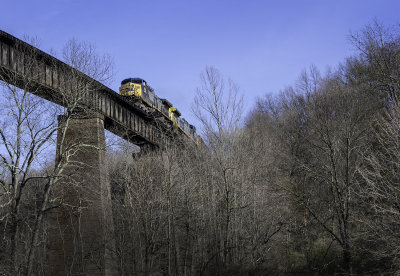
(81, 240)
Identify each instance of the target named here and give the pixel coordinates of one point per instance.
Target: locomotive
(137, 89)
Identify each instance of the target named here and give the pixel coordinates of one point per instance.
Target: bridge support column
(81, 228)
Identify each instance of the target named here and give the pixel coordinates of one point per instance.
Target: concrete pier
(81, 228)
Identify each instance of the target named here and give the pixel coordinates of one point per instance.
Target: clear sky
(262, 45)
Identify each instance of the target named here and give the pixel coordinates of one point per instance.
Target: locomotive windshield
(134, 80)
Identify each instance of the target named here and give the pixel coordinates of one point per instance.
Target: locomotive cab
(133, 87)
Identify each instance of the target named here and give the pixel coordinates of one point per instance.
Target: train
(137, 89)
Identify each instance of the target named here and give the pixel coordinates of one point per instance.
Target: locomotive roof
(134, 80)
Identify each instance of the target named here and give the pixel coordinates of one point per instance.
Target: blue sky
(262, 45)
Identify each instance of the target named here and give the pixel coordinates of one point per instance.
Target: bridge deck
(30, 68)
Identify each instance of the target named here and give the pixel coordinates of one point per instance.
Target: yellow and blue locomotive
(137, 89)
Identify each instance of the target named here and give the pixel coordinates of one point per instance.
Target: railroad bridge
(84, 241)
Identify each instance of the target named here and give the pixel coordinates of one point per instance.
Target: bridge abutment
(81, 227)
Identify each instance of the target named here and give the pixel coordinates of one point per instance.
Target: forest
(307, 183)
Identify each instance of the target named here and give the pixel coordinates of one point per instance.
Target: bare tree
(379, 190)
(84, 57)
(378, 60)
(217, 107)
(219, 110)
(28, 126)
(27, 131)
(323, 129)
